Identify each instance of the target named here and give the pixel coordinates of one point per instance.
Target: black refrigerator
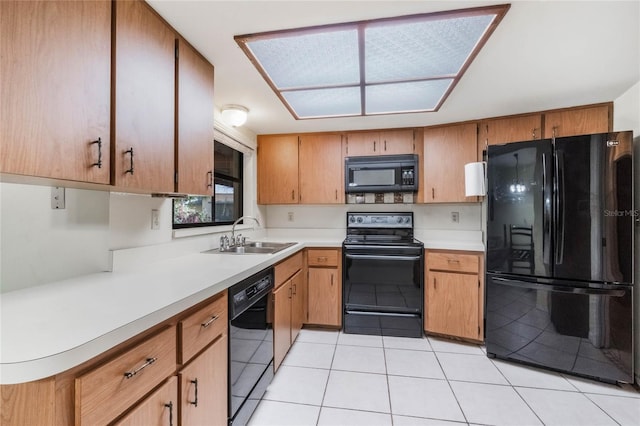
(559, 254)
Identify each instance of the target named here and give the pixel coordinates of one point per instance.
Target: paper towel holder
(474, 179)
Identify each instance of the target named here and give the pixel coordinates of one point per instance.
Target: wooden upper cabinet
(510, 129)
(321, 169)
(385, 142)
(194, 144)
(578, 121)
(446, 150)
(278, 169)
(55, 78)
(399, 141)
(143, 151)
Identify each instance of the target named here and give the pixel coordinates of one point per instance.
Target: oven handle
(559, 289)
(382, 314)
(379, 257)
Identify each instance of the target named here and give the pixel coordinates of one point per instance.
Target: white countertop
(48, 329)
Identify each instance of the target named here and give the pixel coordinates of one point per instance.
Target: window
(226, 204)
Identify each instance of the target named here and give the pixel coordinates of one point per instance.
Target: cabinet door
(324, 298)
(579, 121)
(444, 180)
(158, 409)
(278, 169)
(55, 78)
(362, 143)
(451, 304)
(397, 141)
(144, 99)
(297, 305)
(281, 322)
(194, 153)
(321, 169)
(511, 129)
(203, 387)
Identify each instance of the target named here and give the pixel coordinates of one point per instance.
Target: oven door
(383, 290)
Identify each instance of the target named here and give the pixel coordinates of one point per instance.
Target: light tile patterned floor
(331, 378)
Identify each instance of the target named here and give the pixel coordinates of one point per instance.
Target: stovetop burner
(391, 229)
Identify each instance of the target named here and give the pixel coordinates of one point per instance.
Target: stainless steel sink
(254, 247)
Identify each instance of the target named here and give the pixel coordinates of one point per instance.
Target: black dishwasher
(250, 345)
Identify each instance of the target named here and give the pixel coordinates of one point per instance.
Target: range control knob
(407, 219)
(360, 219)
(352, 219)
(399, 219)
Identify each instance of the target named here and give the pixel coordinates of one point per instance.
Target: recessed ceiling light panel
(385, 66)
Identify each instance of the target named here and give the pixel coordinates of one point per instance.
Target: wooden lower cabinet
(158, 409)
(324, 287)
(203, 387)
(454, 294)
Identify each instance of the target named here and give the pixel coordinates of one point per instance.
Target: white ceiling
(543, 55)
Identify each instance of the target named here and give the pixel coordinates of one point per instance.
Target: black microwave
(381, 173)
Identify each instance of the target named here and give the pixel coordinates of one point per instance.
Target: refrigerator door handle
(546, 215)
(559, 198)
(560, 289)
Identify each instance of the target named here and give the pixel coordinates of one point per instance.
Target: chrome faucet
(233, 228)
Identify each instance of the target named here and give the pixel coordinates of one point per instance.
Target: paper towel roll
(474, 179)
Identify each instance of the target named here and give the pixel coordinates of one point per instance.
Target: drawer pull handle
(148, 362)
(208, 323)
(170, 407)
(323, 259)
(453, 261)
(195, 383)
(295, 291)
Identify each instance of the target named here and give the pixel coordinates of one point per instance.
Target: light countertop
(48, 329)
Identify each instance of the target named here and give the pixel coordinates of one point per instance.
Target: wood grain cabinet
(158, 409)
(578, 121)
(446, 150)
(203, 387)
(194, 118)
(321, 169)
(143, 148)
(288, 308)
(278, 169)
(454, 294)
(55, 79)
(385, 142)
(324, 287)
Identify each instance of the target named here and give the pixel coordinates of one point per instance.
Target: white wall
(626, 116)
(40, 244)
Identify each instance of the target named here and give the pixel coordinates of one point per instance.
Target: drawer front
(107, 391)
(322, 257)
(453, 262)
(202, 327)
(285, 269)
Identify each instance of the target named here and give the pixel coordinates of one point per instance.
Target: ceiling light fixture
(234, 115)
(404, 64)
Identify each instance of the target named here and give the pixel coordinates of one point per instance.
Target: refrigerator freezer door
(582, 329)
(594, 208)
(519, 220)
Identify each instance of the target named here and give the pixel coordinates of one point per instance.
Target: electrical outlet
(290, 216)
(155, 219)
(455, 217)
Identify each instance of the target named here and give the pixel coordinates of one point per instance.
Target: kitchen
(101, 229)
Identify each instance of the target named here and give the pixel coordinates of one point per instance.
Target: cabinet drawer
(322, 257)
(105, 392)
(202, 327)
(285, 269)
(452, 262)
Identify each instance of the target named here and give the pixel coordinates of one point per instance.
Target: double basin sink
(254, 247)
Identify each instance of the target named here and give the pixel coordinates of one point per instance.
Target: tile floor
(331, 378)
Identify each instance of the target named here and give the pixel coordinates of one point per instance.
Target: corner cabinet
(443, 181)
(324, 287)
(278, 169)
(454, 294)
(194, 119)
(55, 78)
(144, 52)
